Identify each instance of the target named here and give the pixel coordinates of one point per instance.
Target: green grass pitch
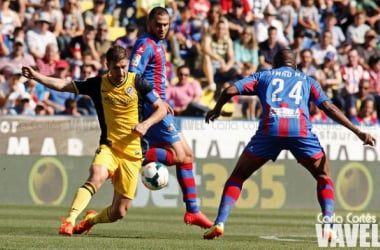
(36, 227)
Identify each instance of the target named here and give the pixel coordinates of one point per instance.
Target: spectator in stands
(51, 9)
(199, 9)
(184, 45)
(18, 57)
(215, 15)
(330, 77)
(102, 43)
(41, 109)
(354, 101)
(317, 115)
(366, 115)
(345, 11)
(286, 15)
(299, 43)
(11, 89)
(71, 108)
(185, 95)
(337, 33)
(306, 65)
(372, 10)
(23, 106)
(9, 19)
(308, 19)
(72, 26)
(368, 48)
(218, 60)
(83, 44)
(123, 13)
(321, 48)
(236, 20)
(128, 40)
(356, 31)
(56, 99)
(353, 72)
(269, 48)
(95, 15)
(246, 49)
(228, 5)
(374, 75)
(257, 10)
(38, 38)
(46, 64)
(269, 20)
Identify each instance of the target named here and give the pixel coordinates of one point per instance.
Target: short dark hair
(284, 57)
(157, 11)
(116, 53)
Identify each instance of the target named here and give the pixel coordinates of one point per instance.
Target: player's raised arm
(50, 82)
(334, 113)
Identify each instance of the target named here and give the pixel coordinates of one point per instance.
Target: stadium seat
(85, 5)
(115, 32)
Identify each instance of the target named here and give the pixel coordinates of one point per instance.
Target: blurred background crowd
(211, 43)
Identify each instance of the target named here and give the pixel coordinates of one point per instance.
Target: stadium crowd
(211, 44)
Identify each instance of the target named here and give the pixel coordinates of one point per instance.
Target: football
(155, 175)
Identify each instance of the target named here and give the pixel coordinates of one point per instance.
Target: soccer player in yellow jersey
(118, 97)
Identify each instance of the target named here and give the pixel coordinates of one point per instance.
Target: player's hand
(28, 72)
(212, 115)
(140, 129)
(367, 139)
(169, 108)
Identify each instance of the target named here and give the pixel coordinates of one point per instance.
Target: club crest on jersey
(129, 90)
(135, 60)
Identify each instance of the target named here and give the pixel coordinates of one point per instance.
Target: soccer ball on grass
(155, 175)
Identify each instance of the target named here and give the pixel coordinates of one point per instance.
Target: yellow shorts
(124, 171)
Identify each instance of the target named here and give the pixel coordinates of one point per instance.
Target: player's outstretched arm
(224, 97)
(160, 110)
(334, 113)
(50, 82)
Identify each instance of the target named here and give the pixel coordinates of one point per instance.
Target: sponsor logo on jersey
(135, 60)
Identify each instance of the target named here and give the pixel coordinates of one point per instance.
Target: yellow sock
(102, 217)
(80, 201)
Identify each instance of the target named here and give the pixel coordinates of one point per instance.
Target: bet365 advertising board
(44, 161)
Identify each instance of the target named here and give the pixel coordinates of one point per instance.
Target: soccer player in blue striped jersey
(166, 144)
(284, 93)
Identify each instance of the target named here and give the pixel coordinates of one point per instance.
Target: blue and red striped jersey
(148, 59)
(284, 94)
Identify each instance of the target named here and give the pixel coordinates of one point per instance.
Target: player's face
(117, 71)
(159, 26)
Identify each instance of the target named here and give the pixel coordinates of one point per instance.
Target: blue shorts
(163, 133)
(268, 147)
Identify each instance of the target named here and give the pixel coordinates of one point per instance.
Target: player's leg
(310, 154)
(244, 168)
(125, 184)
(320, 170)
(101, 166)
(257, 152)
(112, 213)
(98, 175)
